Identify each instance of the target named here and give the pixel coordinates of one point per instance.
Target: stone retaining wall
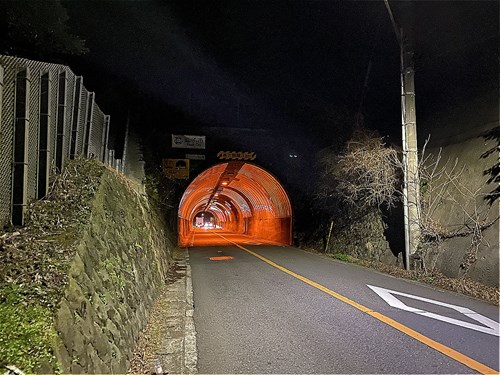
(120, 265)
(362, 237)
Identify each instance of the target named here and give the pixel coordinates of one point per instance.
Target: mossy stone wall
(120, 264)
(362, 236)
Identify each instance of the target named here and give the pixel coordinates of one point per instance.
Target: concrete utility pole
(411, 183)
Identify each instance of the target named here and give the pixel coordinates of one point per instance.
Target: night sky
(296, 67)
(270, 58)
(274, 58)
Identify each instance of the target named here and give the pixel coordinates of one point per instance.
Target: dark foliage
(37, 30)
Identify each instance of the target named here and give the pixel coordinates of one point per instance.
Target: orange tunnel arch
(239, 198)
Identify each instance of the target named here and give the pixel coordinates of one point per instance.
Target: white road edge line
(190, 348)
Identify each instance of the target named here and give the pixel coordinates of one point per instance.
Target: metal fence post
(20, 164)
(80, 138)
(1, 91)
(125, 144)
(75, 117)
(5, 162)
(61, 120)
(112, 161)
(104, 142)
(88, 124)
(44, 137)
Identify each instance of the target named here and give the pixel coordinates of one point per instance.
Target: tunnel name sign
(236, 155)
(188, 141)
(176, 168)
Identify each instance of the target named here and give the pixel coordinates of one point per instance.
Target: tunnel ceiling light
(224, 182)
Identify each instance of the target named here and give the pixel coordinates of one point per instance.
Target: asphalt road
(252, 317)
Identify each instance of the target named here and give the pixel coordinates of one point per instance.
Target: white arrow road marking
(492, 327)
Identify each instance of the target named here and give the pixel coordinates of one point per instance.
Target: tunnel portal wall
(273, 230)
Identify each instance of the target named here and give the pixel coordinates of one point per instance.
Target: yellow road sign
(176, 168)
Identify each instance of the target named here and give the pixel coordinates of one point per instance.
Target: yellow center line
(462, 358)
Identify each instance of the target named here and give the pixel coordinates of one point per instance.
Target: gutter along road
(276, 309)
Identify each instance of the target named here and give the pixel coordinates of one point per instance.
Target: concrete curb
(190, 350)
(178, 353)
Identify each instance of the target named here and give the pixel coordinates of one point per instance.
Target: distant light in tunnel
(224, 182)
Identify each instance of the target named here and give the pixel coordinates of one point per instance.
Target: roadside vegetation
(38, 30)
(365, 179)
(464, 286)
(34, 262)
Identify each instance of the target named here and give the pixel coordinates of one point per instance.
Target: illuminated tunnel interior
(234, 198)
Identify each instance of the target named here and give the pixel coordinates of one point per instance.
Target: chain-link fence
(47, 116)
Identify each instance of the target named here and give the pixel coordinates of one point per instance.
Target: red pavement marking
(223, 257)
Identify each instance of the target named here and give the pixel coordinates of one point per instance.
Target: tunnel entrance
(235, 199)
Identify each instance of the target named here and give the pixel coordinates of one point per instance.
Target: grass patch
(341, 256)
(27, 333)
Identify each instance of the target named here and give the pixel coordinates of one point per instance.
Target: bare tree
(445, 188)
(366, 174)
(493, 172)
